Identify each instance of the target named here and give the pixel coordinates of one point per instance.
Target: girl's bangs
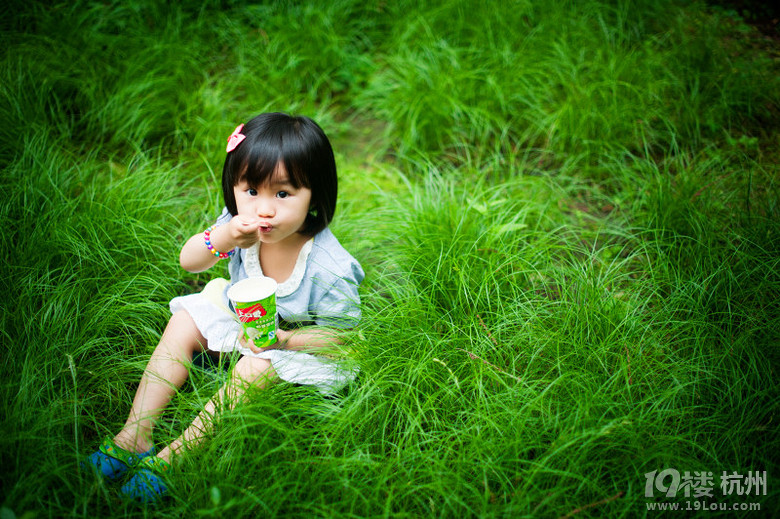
(260, 166)
(257, 168)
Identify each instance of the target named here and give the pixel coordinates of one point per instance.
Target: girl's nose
(265, 208)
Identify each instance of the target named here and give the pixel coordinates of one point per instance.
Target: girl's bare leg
(248, 371)
(165, 372)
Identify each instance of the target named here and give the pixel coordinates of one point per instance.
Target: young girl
(279, 186)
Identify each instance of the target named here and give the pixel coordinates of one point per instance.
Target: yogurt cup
(254, 300)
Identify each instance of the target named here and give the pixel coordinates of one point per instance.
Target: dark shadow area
(762, 15)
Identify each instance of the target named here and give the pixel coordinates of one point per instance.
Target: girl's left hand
(281, 337)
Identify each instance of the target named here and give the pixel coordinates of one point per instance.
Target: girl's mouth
(265, 228)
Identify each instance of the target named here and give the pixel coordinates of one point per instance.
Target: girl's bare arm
(238, 232)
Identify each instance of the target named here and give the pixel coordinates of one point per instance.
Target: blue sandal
(112, 461)
(147, 485)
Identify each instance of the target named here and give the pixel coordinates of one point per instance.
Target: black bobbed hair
(301, 146)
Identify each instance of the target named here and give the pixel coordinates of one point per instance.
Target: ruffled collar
(289, 285)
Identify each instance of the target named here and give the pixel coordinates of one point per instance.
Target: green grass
(567, 213)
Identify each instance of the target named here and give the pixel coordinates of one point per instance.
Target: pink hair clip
(235, 138)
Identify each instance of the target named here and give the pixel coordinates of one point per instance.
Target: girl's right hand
(244, 231)
(238, 232)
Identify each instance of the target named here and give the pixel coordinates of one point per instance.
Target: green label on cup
(255, 302)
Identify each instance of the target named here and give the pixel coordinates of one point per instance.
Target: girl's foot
(112, 461)
(147, 485)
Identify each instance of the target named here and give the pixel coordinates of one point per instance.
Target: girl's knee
(252, 370)
(181, 318)
(182, 334)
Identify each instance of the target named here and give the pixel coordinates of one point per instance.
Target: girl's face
(278, 207)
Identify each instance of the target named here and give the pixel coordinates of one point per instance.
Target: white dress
(322, 290)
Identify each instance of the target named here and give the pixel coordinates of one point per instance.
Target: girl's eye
(251, 192)
(282, 194)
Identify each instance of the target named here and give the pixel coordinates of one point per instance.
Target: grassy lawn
(567, 213)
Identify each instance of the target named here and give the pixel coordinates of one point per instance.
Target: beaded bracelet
(210, 247)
